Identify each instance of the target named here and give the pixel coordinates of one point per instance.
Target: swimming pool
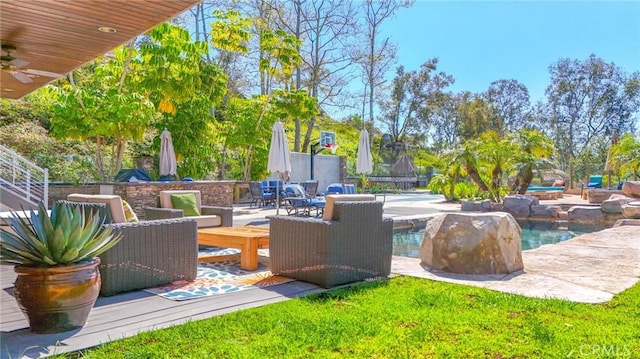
(406, 242)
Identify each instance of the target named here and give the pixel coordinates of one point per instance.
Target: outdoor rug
(220, 277)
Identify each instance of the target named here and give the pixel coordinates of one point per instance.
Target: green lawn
(403, 317)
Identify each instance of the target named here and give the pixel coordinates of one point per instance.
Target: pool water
(406, 243)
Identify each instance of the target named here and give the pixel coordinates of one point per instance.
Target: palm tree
(497, 154)
(625, 156)
(467, 155)
(534, 151)
(451, 170)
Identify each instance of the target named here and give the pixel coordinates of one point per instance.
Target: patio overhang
(55, 36)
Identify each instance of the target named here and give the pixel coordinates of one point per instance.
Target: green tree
(588, 100)
(408, 110)
(474, 116)
(533, 151)
(379, 52)
(451, 171)
(496, 155)
(625, 156)
(509, 104)
(163, 82)
(95, 105)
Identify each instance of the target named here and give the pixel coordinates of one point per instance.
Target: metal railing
(22, 178)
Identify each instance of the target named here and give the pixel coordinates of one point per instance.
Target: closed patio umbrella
(279, 157)
(364, 163)
(168, 163)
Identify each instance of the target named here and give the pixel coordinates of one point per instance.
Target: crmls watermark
(601, 351)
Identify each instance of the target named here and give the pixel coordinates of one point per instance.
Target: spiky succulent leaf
(70, 255)
(86, 232)
(99, 243)
(57, 244)
(67, 235)
(42, 224)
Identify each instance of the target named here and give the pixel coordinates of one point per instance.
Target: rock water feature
(611, 207)
(473, 243)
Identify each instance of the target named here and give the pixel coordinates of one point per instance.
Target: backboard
(327, 138)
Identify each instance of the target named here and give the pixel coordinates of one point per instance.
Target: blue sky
(478, 42)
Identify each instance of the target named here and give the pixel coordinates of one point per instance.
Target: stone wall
(145, 194)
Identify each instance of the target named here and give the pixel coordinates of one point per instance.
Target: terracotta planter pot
(57, 299)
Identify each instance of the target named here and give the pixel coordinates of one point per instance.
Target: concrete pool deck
(590, 268)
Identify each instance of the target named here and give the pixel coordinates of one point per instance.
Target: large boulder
(481, 206)
(600, 195)
(478, 243)
(631, 210)
(519, 205)
(473, 206)
(614, 204)
(590, 214)
(631, 188)
(544, 211)
(627, 222)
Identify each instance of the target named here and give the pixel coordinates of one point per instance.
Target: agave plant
(68, 235)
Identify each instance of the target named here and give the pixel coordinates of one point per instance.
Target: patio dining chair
(310, 188)
(298, 203)
(260, 196)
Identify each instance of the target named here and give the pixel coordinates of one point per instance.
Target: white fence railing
(22, 178)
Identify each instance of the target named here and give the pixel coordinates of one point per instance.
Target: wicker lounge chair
(210, 216)
(354, 244)
(151, 253)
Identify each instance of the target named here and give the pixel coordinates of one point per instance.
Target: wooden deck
(125, 315)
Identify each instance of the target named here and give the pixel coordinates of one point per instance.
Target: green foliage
(589, 100)
(12, 112)
(625, 156)
(489, 160)
(66, 160)
(441, 184)
(67, 235)
(280, 53)
(240, 131)
(230, 32)
(403, 317)
(363, 183)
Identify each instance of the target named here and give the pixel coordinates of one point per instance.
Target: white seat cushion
(209, 220)
(113, 202)
(327, 215)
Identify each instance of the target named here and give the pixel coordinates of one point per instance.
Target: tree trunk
(475, 177)
(452, 188)
(526, 181)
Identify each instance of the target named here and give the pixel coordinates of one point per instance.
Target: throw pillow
(129, 214)
(185, 202)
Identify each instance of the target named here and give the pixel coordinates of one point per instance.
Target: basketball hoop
(333, 147)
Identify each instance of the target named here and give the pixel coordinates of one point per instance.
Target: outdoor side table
(247, 238)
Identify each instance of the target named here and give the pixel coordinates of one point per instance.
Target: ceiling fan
(14, 66)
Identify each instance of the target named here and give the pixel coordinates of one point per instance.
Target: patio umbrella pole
(277, 193)
(279, 157)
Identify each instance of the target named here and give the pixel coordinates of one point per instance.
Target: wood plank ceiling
(58, 36)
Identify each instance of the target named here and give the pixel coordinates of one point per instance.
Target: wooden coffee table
(248, 239)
